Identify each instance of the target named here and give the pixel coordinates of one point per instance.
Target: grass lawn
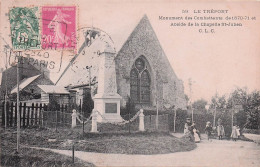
(121, 142)
(134, 143)
(29, 156)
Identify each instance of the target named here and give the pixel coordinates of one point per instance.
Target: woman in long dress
(234, 135)
(221, 131)
(188, 129)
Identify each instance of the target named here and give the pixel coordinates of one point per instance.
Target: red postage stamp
(59, 27)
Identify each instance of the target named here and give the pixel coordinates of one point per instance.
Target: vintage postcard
(129, 83)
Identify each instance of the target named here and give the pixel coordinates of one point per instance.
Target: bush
(181, 116)
(88, 104)
(252, 131)
(53, 105)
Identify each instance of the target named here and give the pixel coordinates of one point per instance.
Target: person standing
(221, 131)
(194, 128)
(208, 129)
(188, 126)
(234, 135)
(188, 129)
(238, 131)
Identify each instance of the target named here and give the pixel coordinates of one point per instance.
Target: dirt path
(215, 153)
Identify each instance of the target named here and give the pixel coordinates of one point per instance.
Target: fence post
(62, 115)
(94, 121)
(24, 113)
(73, 150)
(7, 114)
(141, 120)
(74, 119)
(36, 114)
(56, 120)
(32, 111)
(3, 114)
(15, 116)
(20, 113)
(11, 114)
(40, 115)
(28, 116)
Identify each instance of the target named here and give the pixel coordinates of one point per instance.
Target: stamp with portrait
(59, 27)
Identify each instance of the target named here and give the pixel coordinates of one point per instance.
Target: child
(234, 135)
(238, 131)
(196, 136)
(187, 126)
(194, 128)
(221, 131)
(208, 129)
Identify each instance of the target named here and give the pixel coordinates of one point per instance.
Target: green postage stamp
(25, 29)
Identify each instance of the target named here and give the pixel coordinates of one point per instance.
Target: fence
(150, 122)
(37, 114)
(34, 114)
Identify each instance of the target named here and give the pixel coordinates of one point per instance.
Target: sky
(216, 62)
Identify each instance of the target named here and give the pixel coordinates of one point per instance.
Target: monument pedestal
(107, 100)
(108, 107)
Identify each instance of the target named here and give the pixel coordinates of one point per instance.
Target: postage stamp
(25, 31)
(59, 27)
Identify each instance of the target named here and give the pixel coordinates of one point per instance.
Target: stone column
(94, 121)
(141, 120)
(74, 118)
(107, 100)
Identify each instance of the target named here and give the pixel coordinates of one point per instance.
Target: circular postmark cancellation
(91, 35)
(91, 43)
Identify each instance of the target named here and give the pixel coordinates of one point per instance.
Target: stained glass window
(140, 82)
(134, 84)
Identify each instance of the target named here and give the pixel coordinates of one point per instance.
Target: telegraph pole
(5, 91)
(214, 121)
(190, 85)
(232, 123)
(18, 111)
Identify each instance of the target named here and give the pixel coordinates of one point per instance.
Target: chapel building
(142, 71)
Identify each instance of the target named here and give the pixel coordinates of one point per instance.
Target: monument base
(109, 108)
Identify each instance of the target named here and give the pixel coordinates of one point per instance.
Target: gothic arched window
(140, 82)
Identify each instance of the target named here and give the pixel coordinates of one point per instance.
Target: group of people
(191, 130)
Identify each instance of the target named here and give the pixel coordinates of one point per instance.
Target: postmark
(25, 29)
(91, 42)
(59, 27)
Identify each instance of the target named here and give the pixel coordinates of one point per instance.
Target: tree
(199, 106)
(130, 106)
(252, 110)
(219, 111)
(238, 97)
(249, 115)
(187, 100)
(53, 105)
(218, 105)
(87, 104)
